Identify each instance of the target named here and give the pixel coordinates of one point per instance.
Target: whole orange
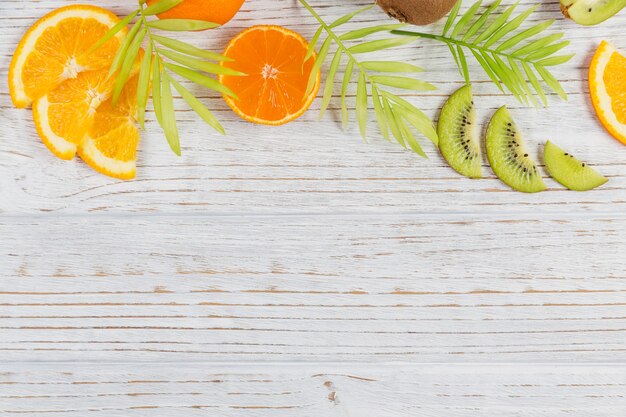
(216, 11)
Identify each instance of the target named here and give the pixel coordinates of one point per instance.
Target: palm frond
(395, 116)
(513, 59)
(165, 57)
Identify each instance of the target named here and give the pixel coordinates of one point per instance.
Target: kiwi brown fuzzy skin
(416, 12)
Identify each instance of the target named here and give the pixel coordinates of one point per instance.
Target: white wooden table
(296, 271)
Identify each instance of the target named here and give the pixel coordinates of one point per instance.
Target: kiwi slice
(591, 12)
(508, 156)
(458, 140)
(569, 171)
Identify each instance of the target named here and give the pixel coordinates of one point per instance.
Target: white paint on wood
(232, 280)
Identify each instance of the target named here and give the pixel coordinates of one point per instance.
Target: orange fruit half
(56, 48)
(273, 90)
(215, 11)
(607, 84)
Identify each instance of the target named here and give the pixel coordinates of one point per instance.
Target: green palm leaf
(373, 77)
(513, 58)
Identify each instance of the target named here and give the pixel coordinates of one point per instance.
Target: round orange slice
(273, 90)
(607, 85)
(110, 145)
(56, 48)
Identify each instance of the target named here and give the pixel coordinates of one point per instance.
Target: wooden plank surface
(331, 390)
(276, 273)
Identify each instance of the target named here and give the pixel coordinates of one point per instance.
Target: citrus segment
(110, 145)
(607, 85)
(273, 90)
(56, 48)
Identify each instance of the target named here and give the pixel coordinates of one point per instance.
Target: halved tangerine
(273, 91)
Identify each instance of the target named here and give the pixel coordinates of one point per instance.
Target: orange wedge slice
(607, 85)
(56, 48)
(64, 115)
(110, 146)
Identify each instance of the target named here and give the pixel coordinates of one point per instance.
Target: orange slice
(607, 84)
(110, 146)
(56, 48)
(63, 115)
(273, 91)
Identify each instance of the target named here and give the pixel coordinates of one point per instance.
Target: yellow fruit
(56, 48)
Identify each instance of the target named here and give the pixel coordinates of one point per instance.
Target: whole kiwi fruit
(417, 12)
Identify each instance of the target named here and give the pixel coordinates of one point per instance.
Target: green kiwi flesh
(458, 140)
(569, 171)
(508, 156)
(591, 12)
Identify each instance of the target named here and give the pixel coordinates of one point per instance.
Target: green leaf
(348, 17)
(347, 76)
(463, 61)
(312, 44)
(509, 27)
(507, 77)
(511, 42)
(121, 52)
(392, 122)
(379, 45)
(409, 137)
(534, 82)
(361, 105)
(160, 7)
(496, 24)
(366, 31)
(156, 89)
(390, 66)
(456, 57)
(452, 17)
(555, 60)
(199, 64)
(405, 83)
(113, 31)
(380, 114)
(537, 45)
(521, 79)
(551, 81)
(413, 115)
(127, 65)
(487, 69)
(465, 19)
(198, 107)
(200, 79)
(181, 25)
(168, 115)
(143, 85)
(321, 57)
(188, 49)
(546, 51)
(480, 22)
(330, 81)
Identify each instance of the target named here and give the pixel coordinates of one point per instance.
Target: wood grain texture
(310, 391)
(276, 273)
